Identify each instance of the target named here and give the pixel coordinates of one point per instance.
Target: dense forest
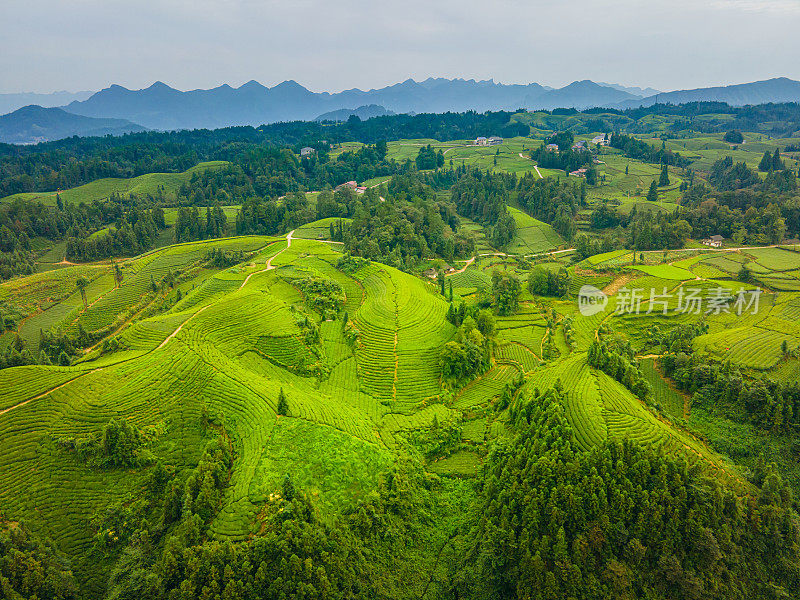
(619, 521)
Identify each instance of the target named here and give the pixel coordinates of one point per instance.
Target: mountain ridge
(162, 107)
(32, 124)
(9, 102)
(776, 89)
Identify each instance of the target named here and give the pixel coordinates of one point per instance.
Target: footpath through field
(270, 266)
(521, 155)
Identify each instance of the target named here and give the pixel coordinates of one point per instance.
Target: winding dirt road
(270, 266)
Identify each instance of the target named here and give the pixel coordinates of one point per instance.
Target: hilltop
(33, 124)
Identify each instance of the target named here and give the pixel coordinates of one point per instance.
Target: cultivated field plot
(666, 272)
(484, 388)
(629, 189)
(532, 236)
(518, 355)
(775, 259)
(460, 464)
(319, 230)
(663, 393)
(470, 281)
(503, 157)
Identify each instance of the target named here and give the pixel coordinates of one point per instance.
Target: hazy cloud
(334, 45)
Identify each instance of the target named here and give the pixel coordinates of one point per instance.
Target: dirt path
(710, 249)
(50, 391)
(161, 345)
(624, 279)
(462, 269)
(178, 330)
(244, 283)
(269, 264)
(536, 167)
(454, 147)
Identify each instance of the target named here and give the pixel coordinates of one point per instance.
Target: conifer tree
(288, 488)
(664, 179)
(766, 162)
(81, 284)
(652, 193)
(283, 404)
(777, 163)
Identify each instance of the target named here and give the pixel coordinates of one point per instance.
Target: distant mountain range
(32, 124)
(362, 112)
(780, 89)
(11, 102)
(162, 107)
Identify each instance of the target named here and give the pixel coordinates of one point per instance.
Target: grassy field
(503, 157)
(103, 188)
(532, 236)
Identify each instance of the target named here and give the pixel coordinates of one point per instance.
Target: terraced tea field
(532, 235)
(357, 392)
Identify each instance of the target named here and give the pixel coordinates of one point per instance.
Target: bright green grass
(776, 259)
(103, 188)
(598, 259)
(318, 230)
(630, 190)
(532, 235)
(461, 464)
(463, 152)
(666, 271)
(235, 340)
(663, 393)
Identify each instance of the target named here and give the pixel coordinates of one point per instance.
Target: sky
(331, 45)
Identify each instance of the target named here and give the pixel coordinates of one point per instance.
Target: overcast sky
(330, 45)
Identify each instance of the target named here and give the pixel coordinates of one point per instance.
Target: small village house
(349, 184)
(715, 241)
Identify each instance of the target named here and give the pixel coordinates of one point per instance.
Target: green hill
(359, 393)
(103, 188)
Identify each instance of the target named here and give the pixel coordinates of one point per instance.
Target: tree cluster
(616, 359)
(770, 405)
(545, 282)
(619, 521)
(506, 289)
(469, 354)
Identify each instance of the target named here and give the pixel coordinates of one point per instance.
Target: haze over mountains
(165, 108)
(11, 102)
(32, 124)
